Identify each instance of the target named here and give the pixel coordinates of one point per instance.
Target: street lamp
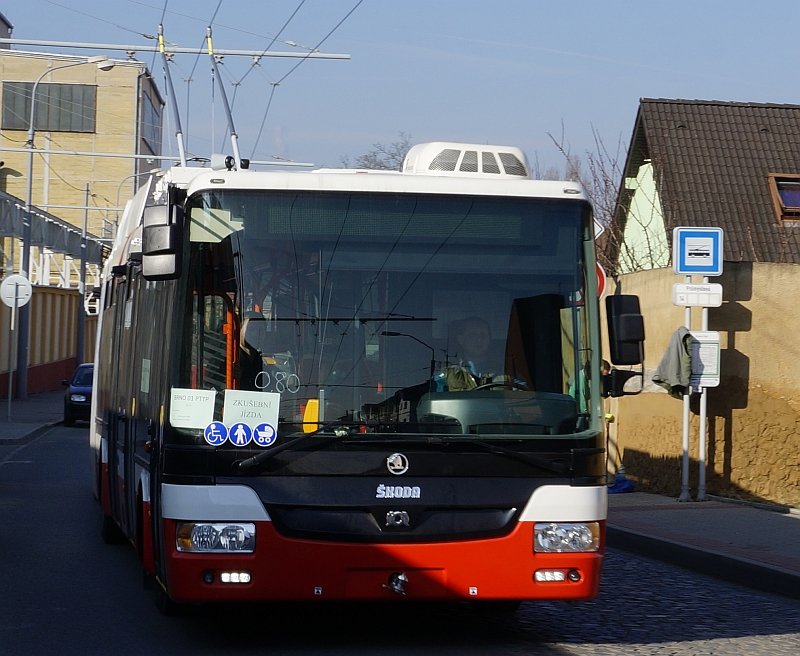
(391, 333)
(119, 189)
(103, 64)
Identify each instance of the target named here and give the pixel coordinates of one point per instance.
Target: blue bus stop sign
(697, 251)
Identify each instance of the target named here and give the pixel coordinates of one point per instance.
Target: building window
(784, 189)
(59, 107)
(151, 125)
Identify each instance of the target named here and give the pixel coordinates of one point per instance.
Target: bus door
(135, 340)
(119, 462)
(113, 406)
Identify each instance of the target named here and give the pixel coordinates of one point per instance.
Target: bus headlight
(208, 537)
(562, 537)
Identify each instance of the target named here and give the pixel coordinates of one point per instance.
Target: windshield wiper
(271, 452)
(527, 458)
(559, 467)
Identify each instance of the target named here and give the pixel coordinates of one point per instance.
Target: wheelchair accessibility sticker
(216, 433)
(264, 435)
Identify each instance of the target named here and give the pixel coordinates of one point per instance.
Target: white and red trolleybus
(339, 384)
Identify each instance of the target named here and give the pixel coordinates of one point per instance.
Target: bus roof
(350, 180)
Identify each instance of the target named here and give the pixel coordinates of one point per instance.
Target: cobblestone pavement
(645, 607)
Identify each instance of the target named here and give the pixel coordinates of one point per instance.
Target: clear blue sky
(505, 72)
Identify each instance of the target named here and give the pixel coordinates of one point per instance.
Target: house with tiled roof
(735, 166)
(706, 163)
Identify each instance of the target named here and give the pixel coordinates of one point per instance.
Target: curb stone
(728, 568)
(30, 436)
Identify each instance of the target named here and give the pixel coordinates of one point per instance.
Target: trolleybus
(358, 385)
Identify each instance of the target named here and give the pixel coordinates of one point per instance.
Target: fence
(52, 340)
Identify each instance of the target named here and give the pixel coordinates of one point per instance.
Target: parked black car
(78, 397)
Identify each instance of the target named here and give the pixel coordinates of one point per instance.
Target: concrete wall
(753, 416)
(53, 339)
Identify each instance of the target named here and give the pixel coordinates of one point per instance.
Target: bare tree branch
(382, 157)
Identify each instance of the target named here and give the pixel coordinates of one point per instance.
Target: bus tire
(503, 606)
(165, 605)
(110, 532)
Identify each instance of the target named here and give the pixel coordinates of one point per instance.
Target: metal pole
(79, 353)
(234, 137)
(701, 456)
(172, 98)
(11, 349)
(24, 268)
(171, 49)
(24, 311)
(685, 496)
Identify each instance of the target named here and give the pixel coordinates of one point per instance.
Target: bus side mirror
(162, 242)
(625, 329)
(626, 339)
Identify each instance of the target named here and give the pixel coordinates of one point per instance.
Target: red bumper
(290, 569)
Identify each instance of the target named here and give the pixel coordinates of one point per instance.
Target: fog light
(208, 537)
(549, 575)
(235, 577)
(574, 575)
(561, 537)
(208, 577)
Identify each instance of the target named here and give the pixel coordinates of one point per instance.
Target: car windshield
(416, 313)
(83, 377)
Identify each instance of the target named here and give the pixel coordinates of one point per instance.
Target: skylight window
(784, 189)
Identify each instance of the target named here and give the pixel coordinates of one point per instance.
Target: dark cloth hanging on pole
(675, 369)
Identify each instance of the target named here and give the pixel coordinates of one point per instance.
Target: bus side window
(218, 343)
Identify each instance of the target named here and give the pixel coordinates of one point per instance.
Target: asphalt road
(62, 591)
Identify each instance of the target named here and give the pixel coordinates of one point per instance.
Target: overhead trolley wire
(256, 59)
(102, 20)
(227, 27)
(294, 68)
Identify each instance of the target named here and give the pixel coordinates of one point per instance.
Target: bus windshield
(410, 313)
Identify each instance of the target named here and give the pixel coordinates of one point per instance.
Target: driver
(473, 338)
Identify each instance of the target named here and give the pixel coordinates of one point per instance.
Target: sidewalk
(30, 417)
(737, 542)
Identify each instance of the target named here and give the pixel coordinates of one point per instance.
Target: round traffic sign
(601, 281)
(17, 286)
(264, 435)
(240, 434)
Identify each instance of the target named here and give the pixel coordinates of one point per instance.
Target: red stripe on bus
(286, 568)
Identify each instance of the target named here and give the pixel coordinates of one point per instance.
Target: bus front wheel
(165, 605)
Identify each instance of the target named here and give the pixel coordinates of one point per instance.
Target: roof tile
(714, 159)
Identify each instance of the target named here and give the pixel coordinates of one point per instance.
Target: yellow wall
(754, 415)
(61, 179)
